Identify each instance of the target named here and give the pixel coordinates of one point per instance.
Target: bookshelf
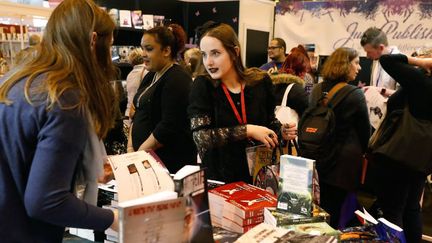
(26, 19)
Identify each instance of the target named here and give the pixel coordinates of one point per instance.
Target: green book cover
(280, 218)
(319, 228)
(295, 185)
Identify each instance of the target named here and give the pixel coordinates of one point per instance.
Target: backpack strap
(332, 92)
(285, 97)
(340, 94)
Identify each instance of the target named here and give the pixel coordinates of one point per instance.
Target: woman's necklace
(156, 78)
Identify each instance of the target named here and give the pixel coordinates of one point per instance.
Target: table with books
(185, 207)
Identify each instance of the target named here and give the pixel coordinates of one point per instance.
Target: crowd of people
(206, 108)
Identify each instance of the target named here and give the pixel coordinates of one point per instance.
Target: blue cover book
(385, 230)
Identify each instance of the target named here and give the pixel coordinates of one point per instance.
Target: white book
(262, 233)
(139, 174)
(125, 18)
(296, 185)
(159, 217)
(148, 21)
(137, 19)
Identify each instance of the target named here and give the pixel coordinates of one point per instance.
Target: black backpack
(316, 128)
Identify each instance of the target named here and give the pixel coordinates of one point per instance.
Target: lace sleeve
(206, 137)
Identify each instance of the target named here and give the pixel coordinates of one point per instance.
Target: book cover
(386, 230)
(158, 20)
(229, 225)
(292, 236)
(222, 235)
(137, 20)
(218, 195)
(234, 226)
(153, 218)
(318, 228)
(148, 21)
(279, 218)
(250, 205)
(115, 16)
(125, 18)
(190, 183)
(295, 180)
(260, 162)
(241, 221)
(231, 190)
(262, 233)
(392, 232)
(163, 215)
(139, 174)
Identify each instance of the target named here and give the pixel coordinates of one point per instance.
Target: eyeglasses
(273, 47)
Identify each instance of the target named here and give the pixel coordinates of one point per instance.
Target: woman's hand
(108, 173)
(289, 131)
(266, 136)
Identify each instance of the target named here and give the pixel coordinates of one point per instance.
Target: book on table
(155, 207)
(279, 218)
(296, 185)
(263, 166)
(190, 183)
(385, 230)
(270, 234)
(239, 206)
(218, 196)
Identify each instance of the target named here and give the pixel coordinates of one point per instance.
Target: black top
(297, 98)
(416, 86)
(161, 110)
(352, 133)
(220, 139)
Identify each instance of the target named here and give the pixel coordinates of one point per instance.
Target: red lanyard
(243, 106)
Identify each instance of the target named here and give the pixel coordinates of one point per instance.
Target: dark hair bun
(179, 36)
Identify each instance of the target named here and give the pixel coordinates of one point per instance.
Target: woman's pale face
(155, 57)
(354, 69)
(216, 58)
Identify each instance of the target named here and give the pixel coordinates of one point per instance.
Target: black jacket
(352, 135)
(297, 97)
(161, 110)
(220, 139)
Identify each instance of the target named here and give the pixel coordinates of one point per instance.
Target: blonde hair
(136, 56)
(68, 63)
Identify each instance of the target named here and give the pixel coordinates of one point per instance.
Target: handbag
(405, 139)
(284, 113)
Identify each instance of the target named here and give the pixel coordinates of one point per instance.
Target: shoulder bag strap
(285, 97)
(341, 94)
(333, 91)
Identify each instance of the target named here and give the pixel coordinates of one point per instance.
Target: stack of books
(153, 207)
(239, 206)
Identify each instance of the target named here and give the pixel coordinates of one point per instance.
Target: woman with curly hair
(160, 122)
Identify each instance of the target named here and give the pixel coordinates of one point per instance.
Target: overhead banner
(333, 24)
